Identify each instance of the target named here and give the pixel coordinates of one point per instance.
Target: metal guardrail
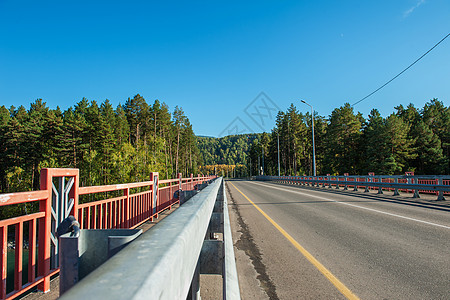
(165, 262)
(395, 183)
(231, 283)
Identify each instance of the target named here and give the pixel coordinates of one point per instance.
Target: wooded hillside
(109, 145)
(409, 139)
(229, 150)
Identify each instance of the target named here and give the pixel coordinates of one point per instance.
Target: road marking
(354, 205)
(336, 282)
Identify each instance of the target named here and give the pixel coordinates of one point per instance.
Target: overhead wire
(404, 70)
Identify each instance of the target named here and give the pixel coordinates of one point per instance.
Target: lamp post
(278, 143)
(314, 149)
(262, 161)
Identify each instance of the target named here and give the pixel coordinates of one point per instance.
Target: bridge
(309, 241)
(294, 237)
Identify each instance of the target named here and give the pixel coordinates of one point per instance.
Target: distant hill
(229, 150)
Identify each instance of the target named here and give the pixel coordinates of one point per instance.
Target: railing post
(380, 188)
(154, 176)
(126, 209)
(44, 231)
(396, 193)
(355, 187)
(180, 179)
(74, 194)
(171, 193)
(416, 191)
(345, 179)
(18, 257)
(441, 193)
(4, 241)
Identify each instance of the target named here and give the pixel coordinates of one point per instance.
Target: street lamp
(278, 143)
(314, 149)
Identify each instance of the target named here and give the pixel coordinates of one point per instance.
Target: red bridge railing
(28, 243)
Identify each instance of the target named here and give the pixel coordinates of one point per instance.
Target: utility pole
(262, 161)
(278, 143)
(314, 148)
(259, 165)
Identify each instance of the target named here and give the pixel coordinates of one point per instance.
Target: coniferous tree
(179, 120)
(107, 144)
(4, 120)
(135, 110)
(343, 141)
(437, 116)
(431, 159)
(375, 143)
(400, 143)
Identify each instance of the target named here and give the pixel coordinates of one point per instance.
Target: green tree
(5, 117)
(179, 120)
(343, 141)
(430, 158)
(437, 116)
(135, 110)
(377, 158)
(401, 145)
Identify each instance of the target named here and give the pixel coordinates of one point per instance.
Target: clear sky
(214, 58)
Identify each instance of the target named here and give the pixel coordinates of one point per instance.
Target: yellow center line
(336, 282)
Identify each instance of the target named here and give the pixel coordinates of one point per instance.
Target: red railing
(31, 240)
(351, 181)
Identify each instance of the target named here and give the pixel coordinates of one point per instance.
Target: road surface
(318, 243)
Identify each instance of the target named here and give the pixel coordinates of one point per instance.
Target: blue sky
(213, 58)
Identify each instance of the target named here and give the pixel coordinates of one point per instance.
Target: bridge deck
(376, 246)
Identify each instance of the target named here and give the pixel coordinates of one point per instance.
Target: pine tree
(74, 141)
(13, 142)
(437, 116)
(430, 158)
(5, 117)
(376, 151)
(121, 127)
(400, 143)
(107, 143)
(135, 110)
(55, 146)
(343, 141)
(179, 120)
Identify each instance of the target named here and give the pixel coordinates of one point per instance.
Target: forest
(228, 150)
(226, 156)
(109, 145)
(124, 144)
(408, 140)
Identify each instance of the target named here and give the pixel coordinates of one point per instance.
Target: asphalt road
(318, 243)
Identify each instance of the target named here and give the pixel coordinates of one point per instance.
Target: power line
(401, 72)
